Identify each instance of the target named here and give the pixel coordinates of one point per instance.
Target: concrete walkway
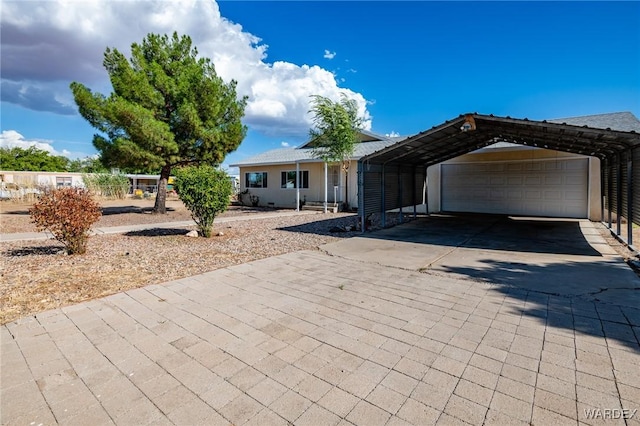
(25, 236)
(315, 339)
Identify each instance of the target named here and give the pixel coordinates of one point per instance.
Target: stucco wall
(286, 198)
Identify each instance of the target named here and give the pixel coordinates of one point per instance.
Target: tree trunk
(161, 197)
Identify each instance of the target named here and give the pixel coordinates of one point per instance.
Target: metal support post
(383, 209)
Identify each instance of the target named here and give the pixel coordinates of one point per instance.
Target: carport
(396, 177)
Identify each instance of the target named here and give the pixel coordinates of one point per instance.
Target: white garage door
(556, 188)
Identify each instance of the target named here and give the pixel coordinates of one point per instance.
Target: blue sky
(410, 65)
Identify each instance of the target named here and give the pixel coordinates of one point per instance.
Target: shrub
(107, 185)
(205, 191)
(68, 214)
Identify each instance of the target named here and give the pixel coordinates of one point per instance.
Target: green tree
(168, 108)
(87, 165)
(205, 191)
(32, 159)
(335, 132)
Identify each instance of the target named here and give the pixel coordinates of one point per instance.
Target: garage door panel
(557, 188)
(553, 195)
(553, 180)
(573, 180)
(552, 165)
(574, 196)
(483, 180)
(530, 167)
(533, 180)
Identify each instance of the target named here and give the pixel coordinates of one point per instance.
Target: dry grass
(37, 276)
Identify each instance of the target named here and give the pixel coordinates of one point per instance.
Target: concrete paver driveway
(472, 328)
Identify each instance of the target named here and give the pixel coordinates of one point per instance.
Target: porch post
(325, 186)
(297, 186)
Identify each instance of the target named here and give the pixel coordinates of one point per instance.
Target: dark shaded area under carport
(494, 232)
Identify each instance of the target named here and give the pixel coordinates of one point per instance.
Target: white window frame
(265, 176)
(302, 172)
(64, 181)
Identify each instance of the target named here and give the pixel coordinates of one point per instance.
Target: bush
(107, 185)
(68, 214)
(205, 191)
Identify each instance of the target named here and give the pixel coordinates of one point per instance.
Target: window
(255, 180)
(288, 179)
(63, 181)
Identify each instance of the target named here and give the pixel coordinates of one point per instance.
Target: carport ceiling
(448, 140)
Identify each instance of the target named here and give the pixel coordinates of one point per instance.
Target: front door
(333, 182)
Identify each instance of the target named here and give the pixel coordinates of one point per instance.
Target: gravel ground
(38, 276)
(15, 217)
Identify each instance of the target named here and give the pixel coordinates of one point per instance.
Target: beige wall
(518, 154)
(285, 198)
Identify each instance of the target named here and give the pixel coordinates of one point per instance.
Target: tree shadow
(17, 212)
(35, 251)
(157, 232)
(108, 211)
(584, 296)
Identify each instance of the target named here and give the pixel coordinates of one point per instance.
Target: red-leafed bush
(68, 214)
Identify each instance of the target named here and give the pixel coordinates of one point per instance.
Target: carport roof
(603, 136)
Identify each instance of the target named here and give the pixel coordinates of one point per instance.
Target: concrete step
(315, 207)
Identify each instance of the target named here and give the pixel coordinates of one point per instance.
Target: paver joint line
(270, 342)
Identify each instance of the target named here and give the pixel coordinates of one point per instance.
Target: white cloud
(284, 144)
(392, 134)
(328, 54)
(13, 139)
(47, 44)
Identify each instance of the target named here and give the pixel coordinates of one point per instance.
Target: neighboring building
(271, 176)
(24, 181)
(39, 179)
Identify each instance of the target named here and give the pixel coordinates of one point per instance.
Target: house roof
(305, 155)
(603, 136)
(622, 121)
(364, 136)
